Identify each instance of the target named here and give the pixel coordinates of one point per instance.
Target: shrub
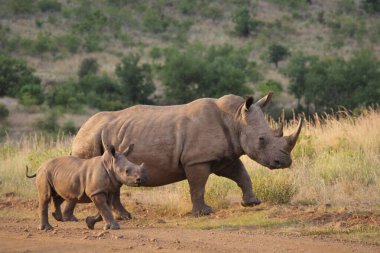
(22, 6)
(200, 72)
(102, 92)
(371, 6)
(14, 74)
(69, 41)
(31, 94)
(4, 112)
(44, 43)
(269, 85)
(48, 123)
(277, 52)
(88, 66)
(69, 128)
(49, 5)
(136, 81)
(154, 22)
(66, 96)
(245, 25)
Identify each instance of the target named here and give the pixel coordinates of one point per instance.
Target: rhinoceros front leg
(237, 172)
(100, 201)
(197, 176)
(120, 212)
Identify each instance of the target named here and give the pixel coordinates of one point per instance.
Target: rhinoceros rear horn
(129, 149)
(279, 132)
(292, 139)
(265, 100)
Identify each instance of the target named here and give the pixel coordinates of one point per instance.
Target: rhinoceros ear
(248, 102)
(265, 100)
(129, 149)
(112, 150)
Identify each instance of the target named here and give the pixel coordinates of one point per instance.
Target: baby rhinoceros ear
(129, 149)
(112, 150)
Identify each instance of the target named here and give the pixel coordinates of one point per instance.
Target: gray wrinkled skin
(191, 141)
(79, 180)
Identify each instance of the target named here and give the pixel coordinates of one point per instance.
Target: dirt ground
(23, 236)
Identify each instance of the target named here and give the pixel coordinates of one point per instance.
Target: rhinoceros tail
(26, 173)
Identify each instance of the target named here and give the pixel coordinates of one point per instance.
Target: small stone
(159, 247)
(85, 237)
(177, 241)
(26, 230)
(161, 221)
(101, 234)
(28, 235)
(55, 232)
(153, 240)
(85, 232)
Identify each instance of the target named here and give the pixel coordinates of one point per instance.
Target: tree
(17, 80)
(277, 52)
(136, 81)
(89, 66)
(371, 6)
(245, 25)
(199, 72)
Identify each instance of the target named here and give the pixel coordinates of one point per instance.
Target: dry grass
(336, 163)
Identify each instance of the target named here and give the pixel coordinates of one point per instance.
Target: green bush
(45, 43)
(14, 74)
(93, 43)
(66, 96)
(49, 5)
(371, 6)
(269, 85)
(88, 66)
(154, 21)
(4, 112)
(31, 94)
(70, 42)
(69, 128)
(277, 52)
(48, 123)
(23, 6)
(102, 92)
(205, 72)
(245, 25)
(136, 81)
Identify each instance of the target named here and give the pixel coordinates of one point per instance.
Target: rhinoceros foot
(202, 210)
(113, 226)
(70, 218)
(45, 227)
(90, 221)
(57, 216)
(251, 202)
(123, 216)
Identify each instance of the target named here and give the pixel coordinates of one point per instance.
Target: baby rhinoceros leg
(57, 214)
(91, 220)
(44, 195)
(101, 202)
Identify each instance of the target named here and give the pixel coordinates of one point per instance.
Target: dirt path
(22, 236)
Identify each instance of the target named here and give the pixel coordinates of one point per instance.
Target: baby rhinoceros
(83, 181)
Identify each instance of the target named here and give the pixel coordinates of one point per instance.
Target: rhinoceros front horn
(292, 139)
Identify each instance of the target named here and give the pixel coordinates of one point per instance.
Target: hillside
(55, 36)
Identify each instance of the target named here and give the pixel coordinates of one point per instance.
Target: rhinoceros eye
(261, 141)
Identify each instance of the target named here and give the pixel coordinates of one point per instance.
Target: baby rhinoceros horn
(292, 139)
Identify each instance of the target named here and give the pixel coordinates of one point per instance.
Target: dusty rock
(101, 234)
(153, 240)
(85, 237)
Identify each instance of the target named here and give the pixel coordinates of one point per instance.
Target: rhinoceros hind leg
(68, 211)
(197, 176)
(57, 214)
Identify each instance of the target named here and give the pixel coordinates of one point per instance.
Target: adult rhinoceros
(191, 141)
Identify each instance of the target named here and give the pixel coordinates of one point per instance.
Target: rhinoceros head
(125, 171)
(261, 143)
